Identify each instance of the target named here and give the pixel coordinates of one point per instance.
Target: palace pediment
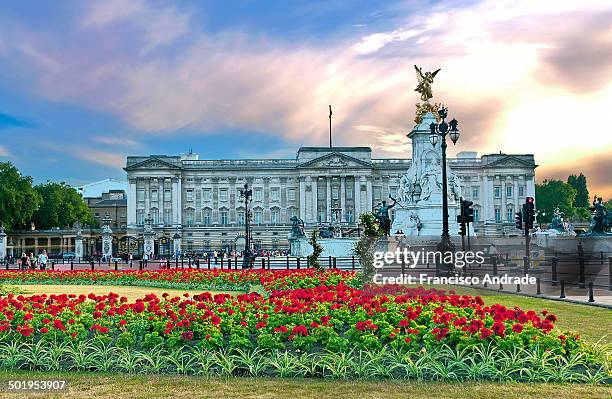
(152, 163)
(511, 161)
(335, 160)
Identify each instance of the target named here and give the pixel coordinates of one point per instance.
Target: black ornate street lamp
(247, 194)
(441, 130)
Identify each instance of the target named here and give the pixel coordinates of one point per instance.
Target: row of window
(497, 191)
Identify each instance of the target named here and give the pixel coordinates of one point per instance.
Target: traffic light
(462, 229)
(518, 219)
(530, 208)
(469, 211)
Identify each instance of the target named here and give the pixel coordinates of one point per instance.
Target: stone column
(175, 205)
(107, 242)
(2, 243)
(78, 245)
(369, 193)
(328, 199)
(357, 198)
(131, 200)
(302, 198)
(315, 198)
(176, 244)
(342, 198)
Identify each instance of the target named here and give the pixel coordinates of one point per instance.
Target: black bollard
(208, 264)
(91, 264)
(353, 262)
(116, 266)
(298, 262)
(518, 287)
(562, 295)
(525, 265)
(494, 262)
(335, 266)
(582, 276)
(591, 297)
(554, 271)
(287, 262)
(329, 262)
(539, 290)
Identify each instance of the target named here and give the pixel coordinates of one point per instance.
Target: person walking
(145, 259)
(43, 259)
(130, 259)
(32, 261)
(24, 262)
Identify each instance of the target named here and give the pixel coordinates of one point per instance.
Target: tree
(313, 259)
(18, 200)
(364, 248)
(579, 183)
(61, 206)
(552, 194)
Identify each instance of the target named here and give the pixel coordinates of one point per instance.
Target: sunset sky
(85, 83)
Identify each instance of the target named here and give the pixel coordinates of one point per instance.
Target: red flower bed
(335, 317)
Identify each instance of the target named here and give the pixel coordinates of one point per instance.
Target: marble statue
(431, 181)
(557, 222)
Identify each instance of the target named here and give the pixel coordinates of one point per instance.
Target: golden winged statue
(425, 82)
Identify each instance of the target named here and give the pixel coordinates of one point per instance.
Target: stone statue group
(601, 223)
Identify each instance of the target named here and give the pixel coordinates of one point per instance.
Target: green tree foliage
(552, 194)
(582, 193)
(317, 249)
(18, 200)
(62, 206)
(364, 248)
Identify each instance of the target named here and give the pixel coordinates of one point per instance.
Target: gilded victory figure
(424, 87)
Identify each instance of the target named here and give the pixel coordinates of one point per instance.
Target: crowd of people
(32, 262)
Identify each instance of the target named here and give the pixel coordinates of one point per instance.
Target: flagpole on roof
(330, 127)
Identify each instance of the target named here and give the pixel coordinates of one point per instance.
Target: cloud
(115, 141)
(112, 159)
(4, 151)
(596, 167)
(160, 26)
(512, 84)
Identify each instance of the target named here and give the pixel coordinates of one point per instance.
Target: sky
(83, 84)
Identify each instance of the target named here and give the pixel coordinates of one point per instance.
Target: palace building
(200, 198)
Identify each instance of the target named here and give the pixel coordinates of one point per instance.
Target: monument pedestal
(334, 247)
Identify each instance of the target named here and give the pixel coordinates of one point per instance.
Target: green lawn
(117, 386)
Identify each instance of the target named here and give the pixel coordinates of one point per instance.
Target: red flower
(215, 320)
(517, 328)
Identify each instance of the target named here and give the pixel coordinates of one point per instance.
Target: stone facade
(201, 198)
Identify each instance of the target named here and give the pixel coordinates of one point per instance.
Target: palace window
(335, 192)
(497, 215)
(274, 194)
(140, 195)
(189, 217)
(377, 193)
(349, 192)
(291, 194)
(189, 195)
(155, 215)
(321, 215)
(475, 192)
(167, 217)
(521, 191)
(349, 215)
(140, 216)
(206, 195)
(258, 194)
(167, 195)
(497, 191)
(275, 216)
(508, 191)
(224, 217)
(241, 219)
(206, 217)
(476, 214)
(258, 217)
(154, 195)
(223, 194)
(509, 214)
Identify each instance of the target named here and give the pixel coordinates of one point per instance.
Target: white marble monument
(418, 211)
(2, 243)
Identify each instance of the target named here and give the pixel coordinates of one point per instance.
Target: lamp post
(440, 131)
(247, 194)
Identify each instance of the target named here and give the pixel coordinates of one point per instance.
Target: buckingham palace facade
(200, 198)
